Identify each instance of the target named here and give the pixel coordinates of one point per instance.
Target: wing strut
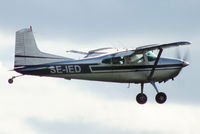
(155, 64)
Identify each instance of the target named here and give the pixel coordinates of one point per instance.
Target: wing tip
(186, 42)
(189, 42)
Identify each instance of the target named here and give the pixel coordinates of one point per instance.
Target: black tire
(10, 81)
(141, 98)
(161, 98)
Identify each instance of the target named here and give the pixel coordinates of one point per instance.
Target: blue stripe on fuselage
(87, 68)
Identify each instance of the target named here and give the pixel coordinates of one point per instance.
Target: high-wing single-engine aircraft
(140, 65)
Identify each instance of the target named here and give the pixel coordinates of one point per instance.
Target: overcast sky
(38, 105)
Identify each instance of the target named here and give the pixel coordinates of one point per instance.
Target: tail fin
(27, 53)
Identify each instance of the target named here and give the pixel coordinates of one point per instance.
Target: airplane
(139, 65)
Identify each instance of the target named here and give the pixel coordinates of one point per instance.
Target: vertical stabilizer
(27, 53)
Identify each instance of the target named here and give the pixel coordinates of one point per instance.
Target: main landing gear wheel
(161, 98)
(141, 98)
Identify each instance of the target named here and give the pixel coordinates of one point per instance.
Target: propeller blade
(186, 55)
(178, 54)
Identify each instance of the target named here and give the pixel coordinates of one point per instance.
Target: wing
(96, 52)
(91, 52)
(100, 49)
(78, 52)
(161, 46)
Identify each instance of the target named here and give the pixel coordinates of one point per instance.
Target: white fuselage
(125, 73)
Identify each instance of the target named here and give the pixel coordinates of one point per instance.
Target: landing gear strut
(141, 98)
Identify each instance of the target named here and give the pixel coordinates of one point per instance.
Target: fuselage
(98, 70)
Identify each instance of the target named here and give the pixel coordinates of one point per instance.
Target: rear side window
(107, 61)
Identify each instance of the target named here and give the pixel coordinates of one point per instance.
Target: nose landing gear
(160, 98)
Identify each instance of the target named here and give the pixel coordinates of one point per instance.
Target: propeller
(185, 55)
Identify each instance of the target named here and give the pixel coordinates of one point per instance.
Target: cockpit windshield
(150, 56)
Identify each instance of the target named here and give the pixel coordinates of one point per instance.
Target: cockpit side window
(135, 59)
(118, 60)
(150, 56)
